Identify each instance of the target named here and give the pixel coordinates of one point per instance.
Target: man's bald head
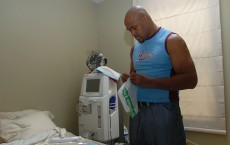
(136, 10)
(139, 23)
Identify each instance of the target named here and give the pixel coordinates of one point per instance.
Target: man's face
(137, 27)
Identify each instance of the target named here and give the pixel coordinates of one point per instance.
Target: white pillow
(18, 114)
(26, 126)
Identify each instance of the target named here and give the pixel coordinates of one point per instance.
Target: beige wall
(113, 39)
(43, 48)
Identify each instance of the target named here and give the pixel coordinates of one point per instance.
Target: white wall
(43, 48)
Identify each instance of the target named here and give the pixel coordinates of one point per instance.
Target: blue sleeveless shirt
(151, 59)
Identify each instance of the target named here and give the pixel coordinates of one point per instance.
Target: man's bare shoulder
(175, 41)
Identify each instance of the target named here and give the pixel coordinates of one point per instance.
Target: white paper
(109, 72)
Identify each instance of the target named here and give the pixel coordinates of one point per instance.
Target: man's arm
(185, 73)
(132, 69)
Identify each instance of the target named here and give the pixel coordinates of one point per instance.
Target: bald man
(161, 65)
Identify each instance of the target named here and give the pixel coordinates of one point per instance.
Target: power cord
(193, 143)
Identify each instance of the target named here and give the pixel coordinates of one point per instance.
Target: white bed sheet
(42, 138)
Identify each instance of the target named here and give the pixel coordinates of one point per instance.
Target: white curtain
(198, 22)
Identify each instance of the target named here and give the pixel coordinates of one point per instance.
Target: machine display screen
(93, 85)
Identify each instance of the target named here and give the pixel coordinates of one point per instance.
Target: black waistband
(145, 104)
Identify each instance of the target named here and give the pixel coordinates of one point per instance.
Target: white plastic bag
(126, 134)
(127, 95)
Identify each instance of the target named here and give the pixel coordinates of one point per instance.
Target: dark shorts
(157, 124)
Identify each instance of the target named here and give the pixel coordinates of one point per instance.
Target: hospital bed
(35, 127)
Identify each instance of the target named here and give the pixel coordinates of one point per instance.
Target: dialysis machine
(98, 108)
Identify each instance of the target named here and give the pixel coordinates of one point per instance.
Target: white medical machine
(98, 108)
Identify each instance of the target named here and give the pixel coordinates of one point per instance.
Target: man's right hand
(124, 77)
